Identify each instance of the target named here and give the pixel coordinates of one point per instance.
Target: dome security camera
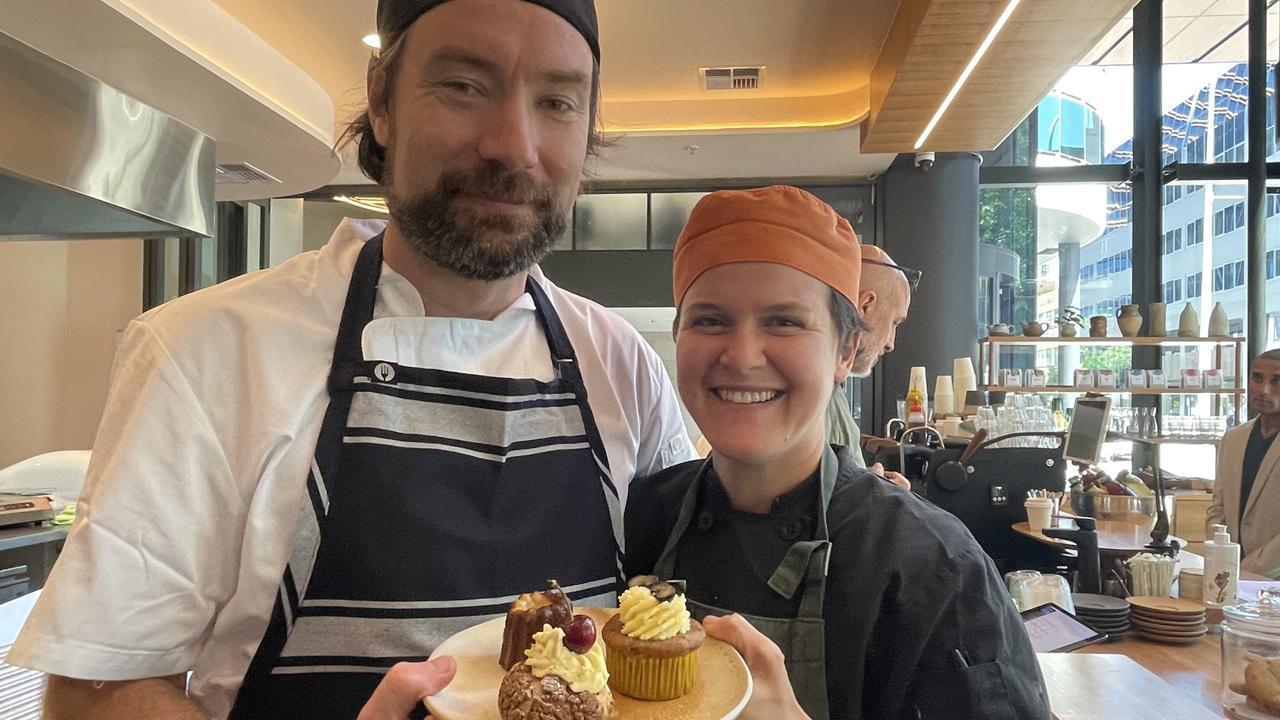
(924, 161)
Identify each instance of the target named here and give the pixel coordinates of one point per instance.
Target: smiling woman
(834, 566)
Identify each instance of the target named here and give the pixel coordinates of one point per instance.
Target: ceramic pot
(1218, 325)
(1034, 329)
(1066, 330)
(1188, 322)
(1098, 326)
(1129, 320)
(1155, 320)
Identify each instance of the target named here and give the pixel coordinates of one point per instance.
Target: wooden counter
(1134, 678)
(1114, 536)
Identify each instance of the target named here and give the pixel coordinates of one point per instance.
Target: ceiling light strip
(374, 204)
(968, 70)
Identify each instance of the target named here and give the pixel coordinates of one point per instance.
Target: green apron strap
(688, 504)
(794, 569)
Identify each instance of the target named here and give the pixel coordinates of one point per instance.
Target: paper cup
(943, 397)
(1191, 584)
(1039, 512)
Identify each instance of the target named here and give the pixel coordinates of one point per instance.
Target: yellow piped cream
(648, 618)
(584, 672)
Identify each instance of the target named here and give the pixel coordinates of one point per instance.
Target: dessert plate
(473, 694)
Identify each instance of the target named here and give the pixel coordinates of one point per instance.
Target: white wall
(62, 304)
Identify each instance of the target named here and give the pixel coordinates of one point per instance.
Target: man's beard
(475, 245)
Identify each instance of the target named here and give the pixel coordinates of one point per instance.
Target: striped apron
(434, 499)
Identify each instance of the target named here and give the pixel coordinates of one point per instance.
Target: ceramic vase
(1129, 320)
(1066, 330)
(1098, 326)
(1188, 322)
(1155, 320)
(1218, 325)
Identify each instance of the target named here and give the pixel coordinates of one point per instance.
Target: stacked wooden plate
(1102, 613)
(1167, 620)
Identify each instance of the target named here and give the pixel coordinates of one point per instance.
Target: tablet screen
(1088, 430)
(1053, 629)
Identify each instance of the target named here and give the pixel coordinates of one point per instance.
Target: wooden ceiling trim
(1041, 41)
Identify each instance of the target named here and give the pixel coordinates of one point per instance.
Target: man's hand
(896, 478)
(771, 697)
(405, 685)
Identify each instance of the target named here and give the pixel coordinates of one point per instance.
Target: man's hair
(1270, 355)
(372, 157)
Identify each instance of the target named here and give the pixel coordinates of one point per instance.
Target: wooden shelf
(1167, 440)
(1114, 391)
(1022, 340)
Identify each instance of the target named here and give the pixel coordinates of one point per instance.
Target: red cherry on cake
(580, 634)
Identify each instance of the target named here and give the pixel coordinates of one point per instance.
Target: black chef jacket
(918, 623)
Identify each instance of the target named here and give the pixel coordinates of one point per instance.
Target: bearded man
(307, 478)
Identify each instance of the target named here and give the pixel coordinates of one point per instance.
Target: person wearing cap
(884, 296)
(307, 478)
(848, 597)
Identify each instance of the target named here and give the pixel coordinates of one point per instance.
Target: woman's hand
(405, 685)
(771, 697)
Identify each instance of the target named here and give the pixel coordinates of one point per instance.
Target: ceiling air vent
(731, 78)
(241, 174)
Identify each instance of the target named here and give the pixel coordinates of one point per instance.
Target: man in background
(1246, 495)
(883, 301)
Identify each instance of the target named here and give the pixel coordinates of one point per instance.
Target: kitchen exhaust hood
(79, 159)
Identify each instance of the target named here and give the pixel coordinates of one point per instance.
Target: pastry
(652, 642)
(1262, 682)
(563, 677)
(527, 615)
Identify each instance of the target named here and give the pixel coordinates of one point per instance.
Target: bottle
(917, 388)
(915, 408)
(1221, 568)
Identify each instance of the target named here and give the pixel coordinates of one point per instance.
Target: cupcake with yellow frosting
(563, 677)
(652, 642)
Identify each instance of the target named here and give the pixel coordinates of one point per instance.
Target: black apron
(434, 499)
(802, 639)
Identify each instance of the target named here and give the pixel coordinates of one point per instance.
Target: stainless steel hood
(79, 159)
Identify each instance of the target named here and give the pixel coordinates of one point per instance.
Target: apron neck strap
(362, 294)
(562, 355)
(806, 563)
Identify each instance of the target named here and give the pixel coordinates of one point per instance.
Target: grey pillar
(930, 222)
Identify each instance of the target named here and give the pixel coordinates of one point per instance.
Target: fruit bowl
(1136, 510)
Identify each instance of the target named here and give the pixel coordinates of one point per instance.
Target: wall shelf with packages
(1112, 391)
(1223, 358)
(1113, 340)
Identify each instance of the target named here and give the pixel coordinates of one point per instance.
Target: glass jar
(1251, 656)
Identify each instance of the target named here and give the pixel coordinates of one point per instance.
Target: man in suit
(1246, 496)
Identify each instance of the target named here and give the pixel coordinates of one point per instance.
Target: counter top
(20, 536)
(1109, 684)
(1114, 536)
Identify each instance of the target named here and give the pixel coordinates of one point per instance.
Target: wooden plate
(473, 694)
(1166, 605)
(1168, 639)
(1158, 626)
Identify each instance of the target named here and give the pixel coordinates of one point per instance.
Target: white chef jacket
(200, 462)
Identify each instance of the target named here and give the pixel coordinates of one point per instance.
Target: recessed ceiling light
(372, 40)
